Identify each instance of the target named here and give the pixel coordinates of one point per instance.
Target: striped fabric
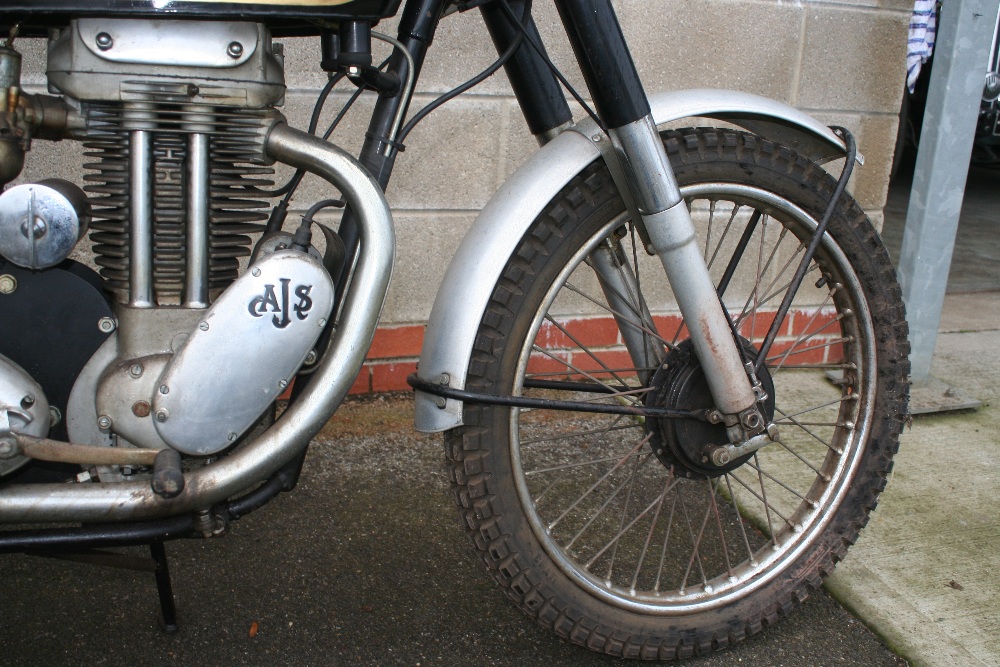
(923, 29)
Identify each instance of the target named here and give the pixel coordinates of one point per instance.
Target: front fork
(671, 235)
(644, 169)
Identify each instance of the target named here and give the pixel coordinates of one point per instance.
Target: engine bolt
(235, 50)
(162, 416)
(106, 324)
(140, 409)
(7, 448)
(104, 41)
(282, 384)
(104, 422)
(311, 358)
(164, 389)
(255, 272)
(232, 436)
(203, 326)
(8, 284)
(28, 401)
(135, 371)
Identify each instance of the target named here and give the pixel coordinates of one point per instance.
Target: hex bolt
(104, 423)
(8, 284)
(104, 41)
(440, 401)
(106, 324)
(7, 448)
(162, 416)
(235, 49)
(203, 326)
(136, 370)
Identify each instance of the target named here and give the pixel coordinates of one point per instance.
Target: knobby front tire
(612, 530)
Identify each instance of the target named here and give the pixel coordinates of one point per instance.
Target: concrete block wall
(841, 61)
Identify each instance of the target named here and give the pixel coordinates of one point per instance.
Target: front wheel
(616, 531)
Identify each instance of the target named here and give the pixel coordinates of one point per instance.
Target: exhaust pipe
(332, 379)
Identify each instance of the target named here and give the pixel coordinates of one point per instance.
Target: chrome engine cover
(23, 409)
(189, 62)
(243, 353)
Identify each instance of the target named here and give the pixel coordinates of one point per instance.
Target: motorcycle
(670, 365)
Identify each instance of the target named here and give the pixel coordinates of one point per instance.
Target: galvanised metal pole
(961, 58)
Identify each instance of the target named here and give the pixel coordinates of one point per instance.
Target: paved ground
(924, 572)
(364, 564)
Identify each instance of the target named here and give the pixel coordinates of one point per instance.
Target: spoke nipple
(709, 589)
(732, 577)
(826, 478)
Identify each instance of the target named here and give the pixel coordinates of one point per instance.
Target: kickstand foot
(168, 612)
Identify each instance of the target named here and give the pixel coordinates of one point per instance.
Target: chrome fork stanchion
(672, 236)
(621, 289)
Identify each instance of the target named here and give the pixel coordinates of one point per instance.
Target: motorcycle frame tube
(303, 419)
(416, 32)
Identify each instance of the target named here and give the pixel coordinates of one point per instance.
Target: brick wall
(840, 61)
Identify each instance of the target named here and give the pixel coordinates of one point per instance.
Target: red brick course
(395, 349)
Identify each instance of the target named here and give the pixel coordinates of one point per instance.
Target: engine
(172, 116)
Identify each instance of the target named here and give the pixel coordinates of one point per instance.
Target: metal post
(960, 61)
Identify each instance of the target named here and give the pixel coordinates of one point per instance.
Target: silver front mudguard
(491, 241)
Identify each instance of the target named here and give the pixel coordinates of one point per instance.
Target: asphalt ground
(363, 564)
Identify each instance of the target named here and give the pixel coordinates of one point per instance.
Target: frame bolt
(235, 49)
(104, 41)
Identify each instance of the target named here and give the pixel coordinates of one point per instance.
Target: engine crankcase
(243, 353)
(23, 409)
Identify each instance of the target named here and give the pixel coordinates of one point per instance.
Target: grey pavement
(363, 564)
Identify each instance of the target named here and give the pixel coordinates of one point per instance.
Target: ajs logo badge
(270, 303)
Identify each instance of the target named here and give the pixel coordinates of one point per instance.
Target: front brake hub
(680, 384)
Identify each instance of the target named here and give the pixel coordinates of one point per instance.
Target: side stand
(157, 564)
